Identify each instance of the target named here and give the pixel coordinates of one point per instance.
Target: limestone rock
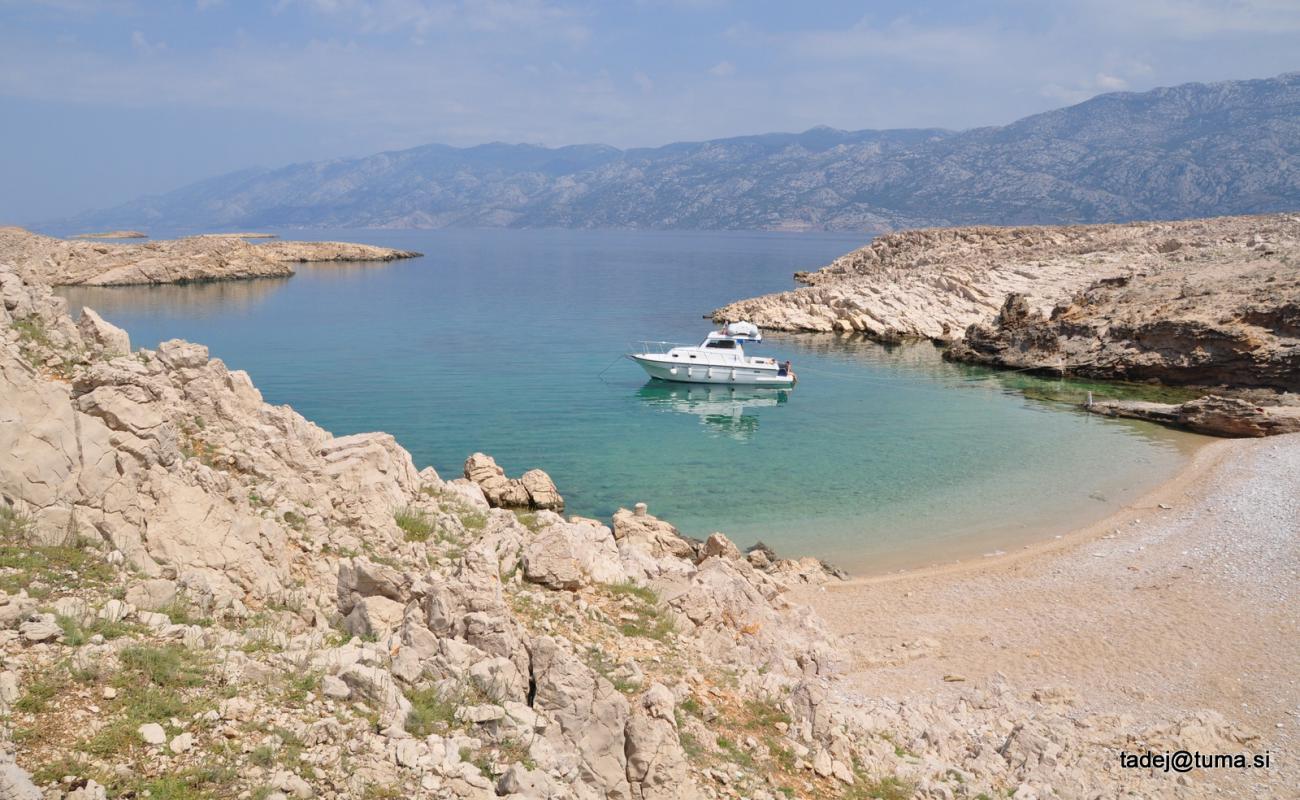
(542, 493)
(360, 577)
(374, 616)
(567, 555)
(151, 594)
(519, 781)
(656, 764)
(534, 490)
(1212, 414)
(720, 546)
(16, 784)
(105, 336)
(590, 717)
(152, 733)
(655, 536)
(376, 686)
(44, 629)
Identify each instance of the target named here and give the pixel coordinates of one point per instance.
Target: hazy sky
(102, 101)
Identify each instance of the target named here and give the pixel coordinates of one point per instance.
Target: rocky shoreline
(203, 592)
(1203, 303)
(62, 262)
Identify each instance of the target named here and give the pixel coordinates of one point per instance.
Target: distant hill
(1187, 151)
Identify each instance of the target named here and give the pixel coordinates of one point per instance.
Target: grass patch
(655, 626)
(41, 689)
(634, 590)
(431, 711)
(168, 666)
(299, 686)
(196, 783)
(415, 523)
(651, 621)
(733, 753)
(180, 612)
(473, 520)
(294, 520)
(764, 715)
(62, 567)
(75, 634)
(597, 661)
(888, 788)
(529, 520)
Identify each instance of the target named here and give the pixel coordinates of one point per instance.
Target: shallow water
(509, 342)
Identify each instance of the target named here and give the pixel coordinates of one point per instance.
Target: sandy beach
(1182, 602)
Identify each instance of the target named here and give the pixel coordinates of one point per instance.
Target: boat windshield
(721, 344)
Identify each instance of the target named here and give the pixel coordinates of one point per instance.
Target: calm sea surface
(509, 342)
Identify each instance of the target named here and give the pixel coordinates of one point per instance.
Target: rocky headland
(62, 262)
(1210, 303)
(203, 595)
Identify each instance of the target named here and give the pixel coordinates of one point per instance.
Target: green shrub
(415, 523)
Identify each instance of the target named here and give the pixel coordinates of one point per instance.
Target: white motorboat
(720, 358)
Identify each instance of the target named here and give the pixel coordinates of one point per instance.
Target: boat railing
(647, 346)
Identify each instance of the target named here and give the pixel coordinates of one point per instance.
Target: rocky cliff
(1185, 151)
(63, 262)
(202, 595)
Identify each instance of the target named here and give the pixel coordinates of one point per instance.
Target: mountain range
(1186, 151)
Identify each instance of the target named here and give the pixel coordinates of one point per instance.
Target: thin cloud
(722, 69)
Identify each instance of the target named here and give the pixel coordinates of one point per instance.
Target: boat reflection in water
(721, 408)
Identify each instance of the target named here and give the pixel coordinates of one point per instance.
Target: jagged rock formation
(936, 283)
(202, 592)
(62, 262)
(1191, 150)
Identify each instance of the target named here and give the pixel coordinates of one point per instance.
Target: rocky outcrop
(1213, 415)
(658, 538)
(1220, 313)
(936, 283)
(200, 258)
(534, 489)
(567, 555)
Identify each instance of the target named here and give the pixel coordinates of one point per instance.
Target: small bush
(15, 526)
(415, 523)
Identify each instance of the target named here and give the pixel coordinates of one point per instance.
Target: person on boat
(784, 369)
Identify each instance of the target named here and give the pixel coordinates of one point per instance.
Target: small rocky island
(112, 235)
(1211, 303)
(61, 262)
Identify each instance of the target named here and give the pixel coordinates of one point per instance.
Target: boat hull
(738, 375)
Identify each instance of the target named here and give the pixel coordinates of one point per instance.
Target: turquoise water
(509, 342)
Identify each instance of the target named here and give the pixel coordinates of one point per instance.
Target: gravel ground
(1185, 601)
